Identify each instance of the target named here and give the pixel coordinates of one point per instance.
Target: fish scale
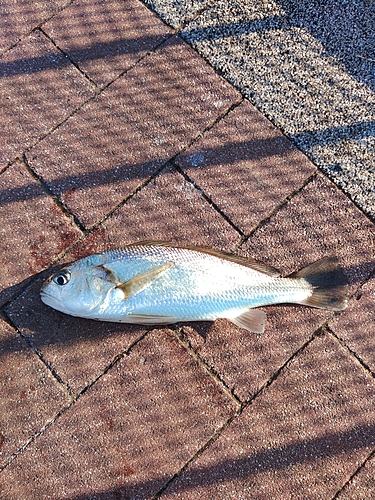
(158, 283)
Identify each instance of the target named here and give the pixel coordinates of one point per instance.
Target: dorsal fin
(237, 259)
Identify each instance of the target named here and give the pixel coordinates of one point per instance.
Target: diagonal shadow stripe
(357, 131)
(360, 437)
(242, 151)
(97, 51)
(235, 29)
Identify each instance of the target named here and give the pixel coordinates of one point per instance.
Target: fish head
(77, 289)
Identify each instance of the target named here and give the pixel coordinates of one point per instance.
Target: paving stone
(246, 166)
(246, 361)
(33, 229)
(38, 89)
(362, 486)
(127, 435)
(19, 18)
(108, 148)
(291, 60)
(301, 438)
(318, 221)
(105, 39)
(30, 396)
(78, 350)
(355, 326)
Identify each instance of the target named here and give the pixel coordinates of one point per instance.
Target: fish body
(157, 283)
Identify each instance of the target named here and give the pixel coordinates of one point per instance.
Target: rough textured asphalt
(309, 66)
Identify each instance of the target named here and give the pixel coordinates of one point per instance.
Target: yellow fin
(143, 280)
(243, 261)
(252, 320)
(149, 319)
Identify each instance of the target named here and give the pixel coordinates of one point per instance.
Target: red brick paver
(128, 434)
(301, 438)
(38, 89)
(114, 130)
(106, 38)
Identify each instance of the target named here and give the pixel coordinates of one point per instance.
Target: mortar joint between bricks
(357, 358)
(52, 195)
(208, 199)
(30, 344)
(198, 454)
(112, 363)
(364, 462)
(279, 207)
(179, 332)
(281, 368)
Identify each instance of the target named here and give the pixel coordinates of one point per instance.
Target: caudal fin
(330, 285)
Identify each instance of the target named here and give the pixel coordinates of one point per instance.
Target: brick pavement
(114, 130)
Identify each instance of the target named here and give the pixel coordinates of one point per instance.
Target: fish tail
(329, 284)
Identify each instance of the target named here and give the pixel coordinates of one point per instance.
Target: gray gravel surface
(309, 66)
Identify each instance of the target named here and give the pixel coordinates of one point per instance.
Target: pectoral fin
(252, 320)
(143, 280)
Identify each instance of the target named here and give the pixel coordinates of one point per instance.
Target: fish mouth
(50, 301)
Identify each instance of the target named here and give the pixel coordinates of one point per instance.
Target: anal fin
(252, 320)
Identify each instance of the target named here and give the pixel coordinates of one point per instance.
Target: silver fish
(157, 283)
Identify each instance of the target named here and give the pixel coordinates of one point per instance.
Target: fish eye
(62, 278)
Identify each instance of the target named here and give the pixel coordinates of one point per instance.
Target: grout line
(114, 362)
(197, 455)
(64, 54)
(179, 332)
(367, 459)
(74, 398)
(281, 205)
(50, 193)
(208, 199)
(34, 437)
(351, 353)
(29, 343)
(36, 27)
(244, 406)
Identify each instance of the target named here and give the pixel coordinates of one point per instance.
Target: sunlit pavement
(122, 121)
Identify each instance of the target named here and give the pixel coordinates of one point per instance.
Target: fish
(158, 283)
